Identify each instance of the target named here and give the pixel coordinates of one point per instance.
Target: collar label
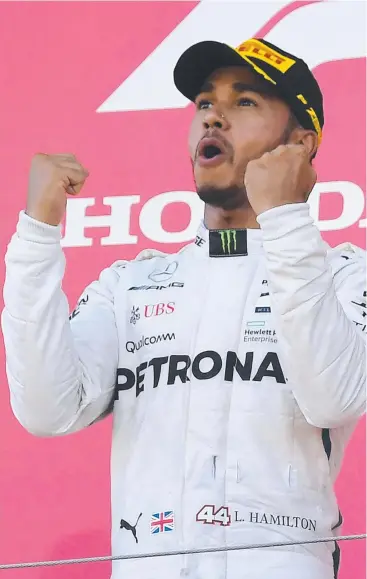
(227, 242)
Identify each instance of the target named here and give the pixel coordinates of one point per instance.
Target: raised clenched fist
(285, 175)
(51, 178)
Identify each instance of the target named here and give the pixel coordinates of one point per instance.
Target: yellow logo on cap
(258, 69)
(257, 49)
(254, 48)
(314, 118)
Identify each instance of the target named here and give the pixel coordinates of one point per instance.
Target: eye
(203, 104)
(246, 102)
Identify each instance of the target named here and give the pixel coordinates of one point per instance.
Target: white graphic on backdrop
(233, 22)
(150, 217)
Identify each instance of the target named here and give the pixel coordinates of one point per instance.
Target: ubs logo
(161, 309)
(151, 311)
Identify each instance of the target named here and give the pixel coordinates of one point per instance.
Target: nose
(215, 119)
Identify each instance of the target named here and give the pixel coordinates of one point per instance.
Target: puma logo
(128, 527)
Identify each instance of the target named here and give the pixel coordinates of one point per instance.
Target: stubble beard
(227, 198)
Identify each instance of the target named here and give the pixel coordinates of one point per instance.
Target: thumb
(74, 188)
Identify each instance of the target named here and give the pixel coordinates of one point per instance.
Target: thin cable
(183, 552)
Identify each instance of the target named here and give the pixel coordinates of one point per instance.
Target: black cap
(290, 76)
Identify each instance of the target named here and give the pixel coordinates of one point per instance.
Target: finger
(300, 149)
(75, 175)
(75, 189)
(73, 181)
(278, 150)
(73, 166)
(69, 156)
(66, 159)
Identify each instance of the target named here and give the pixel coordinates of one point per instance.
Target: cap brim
(199, 61)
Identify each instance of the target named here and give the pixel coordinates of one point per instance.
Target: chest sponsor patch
(203, 366)
(174, 284)
(133, 347)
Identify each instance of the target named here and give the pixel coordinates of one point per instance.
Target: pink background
(60, 61)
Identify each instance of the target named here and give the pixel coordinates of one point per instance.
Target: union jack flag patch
(162, 522)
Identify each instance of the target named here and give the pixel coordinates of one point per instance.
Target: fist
(285, 175)
(51, 178)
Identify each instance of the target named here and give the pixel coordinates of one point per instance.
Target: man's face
(237, 119)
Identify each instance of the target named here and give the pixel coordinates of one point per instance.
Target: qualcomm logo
(285, 23)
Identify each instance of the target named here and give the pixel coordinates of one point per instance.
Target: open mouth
(210, 151)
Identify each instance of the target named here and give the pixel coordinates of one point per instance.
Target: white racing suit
(235, 384)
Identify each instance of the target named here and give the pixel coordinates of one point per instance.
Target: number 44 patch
(209, 515)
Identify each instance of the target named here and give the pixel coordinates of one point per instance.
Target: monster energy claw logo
(229, 241)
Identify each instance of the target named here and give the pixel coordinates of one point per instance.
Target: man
(235, 391)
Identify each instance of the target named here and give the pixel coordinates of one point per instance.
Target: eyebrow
(206, 87)
(242, 87)
(253, 87)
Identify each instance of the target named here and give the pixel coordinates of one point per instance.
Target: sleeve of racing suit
(61, 372)
(319, 303)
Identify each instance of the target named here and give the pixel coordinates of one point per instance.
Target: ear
(306, 138)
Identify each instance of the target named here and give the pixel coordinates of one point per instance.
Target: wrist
(284, 219)
(31, 229)
(268, 205)
(41, 217)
